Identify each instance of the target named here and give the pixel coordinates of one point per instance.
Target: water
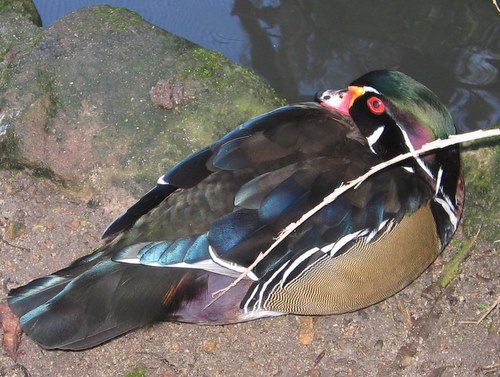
(300, 47)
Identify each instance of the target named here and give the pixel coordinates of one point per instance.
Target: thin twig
(3, 240)
(496, 5)
(490, 368)
(486, 314)
(437, 144)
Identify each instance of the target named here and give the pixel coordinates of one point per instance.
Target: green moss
(493, 329)
(16, 229)
(35, 40)
(9, 148)
(209, 65)
(225, 95)
(139, 371)
(482, 179)
(5, 47)
(25, 7)
(4, 81)
(44, 172)
(452, 268)
(249, 105)
(117, 17)
(482, 306)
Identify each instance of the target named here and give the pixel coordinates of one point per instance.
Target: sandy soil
(418, 332)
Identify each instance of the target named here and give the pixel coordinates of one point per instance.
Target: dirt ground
(418, 332)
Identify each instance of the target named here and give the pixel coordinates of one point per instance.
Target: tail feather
(111, 298)
(106, 301)
(26, 298)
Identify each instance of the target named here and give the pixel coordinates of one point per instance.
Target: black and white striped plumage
(210, 216)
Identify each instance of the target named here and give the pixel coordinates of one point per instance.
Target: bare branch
(488, 311)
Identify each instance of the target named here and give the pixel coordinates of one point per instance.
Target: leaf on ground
(9, 322)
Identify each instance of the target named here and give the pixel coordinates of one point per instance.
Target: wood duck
(209, 217)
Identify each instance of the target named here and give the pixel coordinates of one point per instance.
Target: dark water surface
(300, 47)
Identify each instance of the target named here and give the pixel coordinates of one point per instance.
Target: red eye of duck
(375, 105)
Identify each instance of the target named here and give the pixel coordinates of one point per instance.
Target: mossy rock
(78, 101)
(482, 178)
(22, 7)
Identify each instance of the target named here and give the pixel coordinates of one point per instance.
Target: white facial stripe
(373, 138)
(370, 89)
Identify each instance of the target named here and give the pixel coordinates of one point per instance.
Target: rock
(77, 109)
(25, 8)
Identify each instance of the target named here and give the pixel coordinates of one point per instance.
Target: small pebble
(406, 361)
(174, 346)
(379, 344)
(306, 330)
(73, 225)
(209, 345)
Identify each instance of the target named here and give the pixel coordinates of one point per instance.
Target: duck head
(394, 112)
(397, 114)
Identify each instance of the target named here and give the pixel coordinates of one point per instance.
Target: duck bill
(340, 100)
